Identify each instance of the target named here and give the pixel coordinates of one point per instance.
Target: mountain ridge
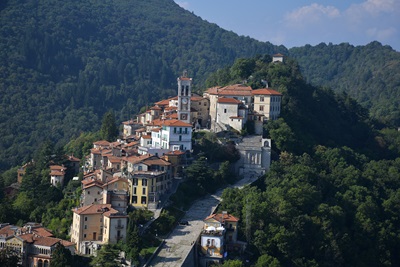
(66, 63)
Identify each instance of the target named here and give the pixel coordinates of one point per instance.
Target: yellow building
(149, 178)
(95, 225)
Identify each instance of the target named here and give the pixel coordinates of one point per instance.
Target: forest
(65, 63)
(331, 197)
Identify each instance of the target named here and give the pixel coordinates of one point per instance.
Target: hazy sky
(300, 22)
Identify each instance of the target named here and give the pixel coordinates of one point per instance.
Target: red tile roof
(227, 100)
(156, 161)
(146, 136)
(95, 151)
(177, 123)
(236, 89)
(118, 179)
(130, 122)
(185, 79)
(8, 230)
(114, 159)
(94, 209)
(137, 159)
(46, 241)
(57, 167)
(266, 91)
(102, 143)
(156, 129)
(223, 217)
(172, 116)
(72, 158)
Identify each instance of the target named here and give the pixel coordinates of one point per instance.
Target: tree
(61, 257)
(9, 257)
(201, 175)
(242, 68)
(106, 257)
(267, 261)
(133, 243)
(109, 129)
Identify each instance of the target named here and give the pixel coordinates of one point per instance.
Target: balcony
(119, 227)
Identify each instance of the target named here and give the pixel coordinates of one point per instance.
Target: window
(88, 192)
(144, 191)
(85, 219)
(85, 226)
(84, 235)
(135, 181)
(180, 138)
(261, 108)
(140, 168)
(174, 129)
(225, 110)
(261, 99)
(144, 182)
(134, 190)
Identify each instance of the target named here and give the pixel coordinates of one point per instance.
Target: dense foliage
(331, 195)
(370, 74)
(335, 208)
(65, 63)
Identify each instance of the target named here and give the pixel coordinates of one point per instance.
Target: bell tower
(184, 94)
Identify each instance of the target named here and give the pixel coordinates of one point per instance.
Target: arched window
(40, 263)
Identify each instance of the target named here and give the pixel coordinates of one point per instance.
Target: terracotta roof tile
(155, 108)
(235, 89)
(223, 217)
(265, 91)
(102, 143)
(156, 161)
(177, 123)
(46, 241)
(226, 100)
(94, 209)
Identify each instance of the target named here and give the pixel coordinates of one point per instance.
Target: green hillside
(65, 63)
(370, 74)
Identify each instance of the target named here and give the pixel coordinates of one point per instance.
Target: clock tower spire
(184, 94)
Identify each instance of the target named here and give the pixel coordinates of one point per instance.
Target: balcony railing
(119, 227)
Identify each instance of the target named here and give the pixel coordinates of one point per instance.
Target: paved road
(179, 243)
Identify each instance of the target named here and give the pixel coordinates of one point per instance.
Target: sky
(299, 22)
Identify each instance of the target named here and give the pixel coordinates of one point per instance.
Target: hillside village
(142, 167)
